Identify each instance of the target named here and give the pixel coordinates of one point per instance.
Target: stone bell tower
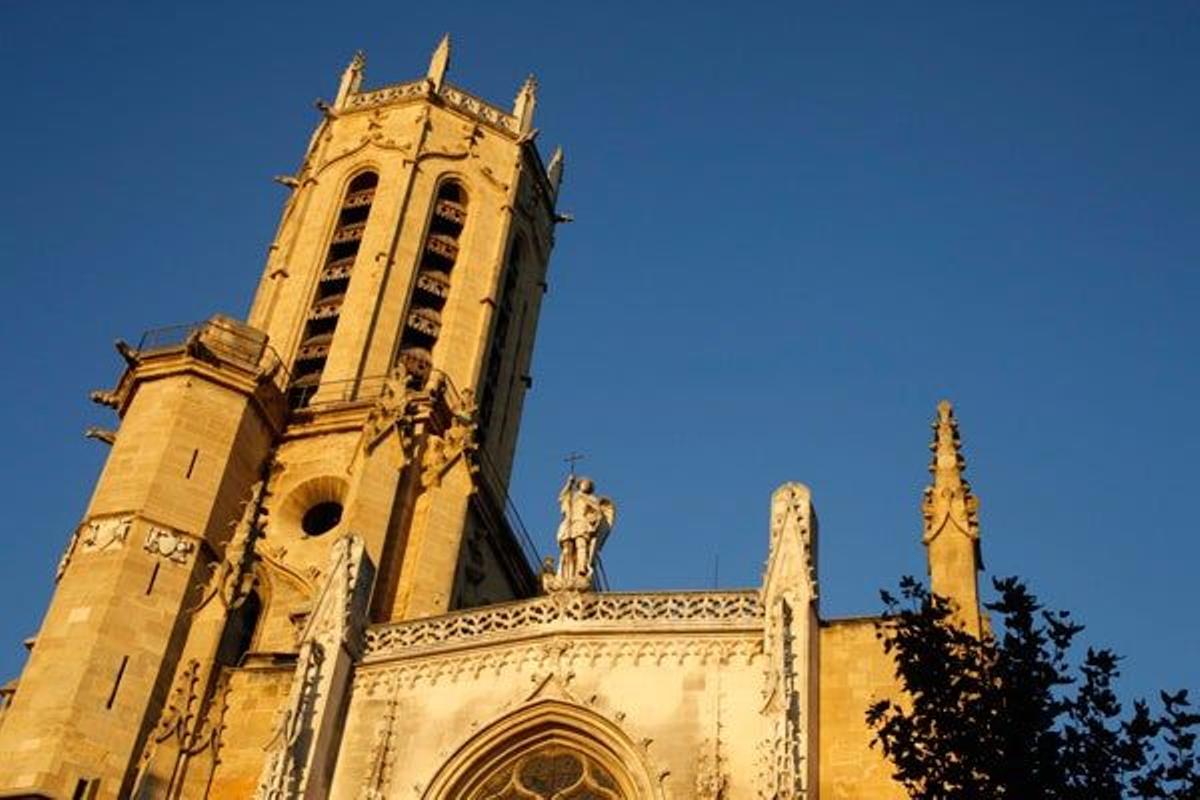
(352, 439)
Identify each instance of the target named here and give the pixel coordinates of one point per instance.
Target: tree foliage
(1010, 715)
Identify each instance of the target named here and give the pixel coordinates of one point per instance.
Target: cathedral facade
(298, 575)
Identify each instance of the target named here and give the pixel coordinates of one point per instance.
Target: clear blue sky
(798, 227)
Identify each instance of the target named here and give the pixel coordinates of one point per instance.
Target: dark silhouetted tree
(1009, 715)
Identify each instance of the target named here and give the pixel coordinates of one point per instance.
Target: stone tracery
(550, 773)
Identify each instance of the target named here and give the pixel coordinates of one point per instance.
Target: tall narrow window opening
(423, 322)
(238, 635)
(85, 788)
(501, 330)
(332, 284)
(112, 696)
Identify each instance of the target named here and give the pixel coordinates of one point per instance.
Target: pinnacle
(439, 62)
(947, 464)
(949, 494)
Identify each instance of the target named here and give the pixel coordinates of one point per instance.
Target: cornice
(576, 614)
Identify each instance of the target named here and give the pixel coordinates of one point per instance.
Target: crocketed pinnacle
(948, 499)
(524, 104)
(439, 62)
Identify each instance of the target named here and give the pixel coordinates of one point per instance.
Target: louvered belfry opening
(439, 253)
(331, 289)
(500, 333)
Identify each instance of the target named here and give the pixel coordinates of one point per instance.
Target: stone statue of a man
(587, 520)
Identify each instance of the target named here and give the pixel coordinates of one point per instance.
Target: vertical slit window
(85, 788)
(112, 696)
(332, 284)
(439, 254)
(501, 330)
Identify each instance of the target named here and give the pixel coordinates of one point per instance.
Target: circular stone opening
(321, 518)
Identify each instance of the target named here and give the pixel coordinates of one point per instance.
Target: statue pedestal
(554, 584)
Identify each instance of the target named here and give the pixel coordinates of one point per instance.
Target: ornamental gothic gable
(298, 576)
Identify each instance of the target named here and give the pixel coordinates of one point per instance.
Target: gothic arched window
(549, 750)
(551, 772)
(332, 284)
(423, 322)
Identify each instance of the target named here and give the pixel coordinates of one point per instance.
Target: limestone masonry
(298, 575)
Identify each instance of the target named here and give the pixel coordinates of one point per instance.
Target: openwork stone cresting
(454, 97)
(685, 609)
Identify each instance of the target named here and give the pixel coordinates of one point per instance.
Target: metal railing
(222, 337)
(327, 394)
(496, 487)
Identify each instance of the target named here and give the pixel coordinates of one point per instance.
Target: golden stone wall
(854, 673)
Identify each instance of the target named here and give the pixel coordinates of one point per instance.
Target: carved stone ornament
(288, 750)
(168, 544)
(105, 534)
(234, 577)
(390, 412)
(781, 754)
(711, 767)
(68, 551)
(652, 652)
(299, 754)
(654, 610)
(186, 733)
(442, 452)
(710, 778)
(791, 513)
(377, 783)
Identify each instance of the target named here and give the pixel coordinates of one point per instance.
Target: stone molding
(735, 610)
(387, 95)
(562, 651)
(458, 99)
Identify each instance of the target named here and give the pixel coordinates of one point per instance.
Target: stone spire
(352, 79)
(439, 62)
(951, 514)
(525, 103)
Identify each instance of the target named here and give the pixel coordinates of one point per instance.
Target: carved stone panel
(105, 534)
(168, 544)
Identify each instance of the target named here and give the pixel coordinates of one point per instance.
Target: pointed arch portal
(548, 750)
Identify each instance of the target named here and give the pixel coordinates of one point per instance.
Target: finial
(352, 78)
(948, 497)
(439, 62)
(554, 172)
(524, 104)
